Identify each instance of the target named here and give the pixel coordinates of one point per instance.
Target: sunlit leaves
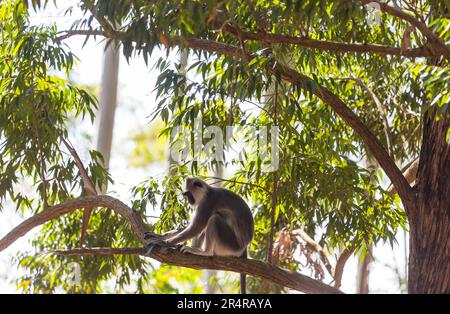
(36, 104)
(323, 183)
(436, 83)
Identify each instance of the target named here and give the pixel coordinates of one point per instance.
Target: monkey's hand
(156, 242)
(151, 235)
(154, 239)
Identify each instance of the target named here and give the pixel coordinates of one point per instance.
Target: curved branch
(56, 211)
(326, 45)
(251, 267)
(166, 255)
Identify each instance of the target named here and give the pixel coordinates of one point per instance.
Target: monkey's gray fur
(222, 224)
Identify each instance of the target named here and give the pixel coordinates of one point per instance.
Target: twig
(88, 185)
(317, 247)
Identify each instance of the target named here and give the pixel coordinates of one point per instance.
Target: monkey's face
(195, 190)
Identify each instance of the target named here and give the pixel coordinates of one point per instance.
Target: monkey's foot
(195, 251)
(153, 242)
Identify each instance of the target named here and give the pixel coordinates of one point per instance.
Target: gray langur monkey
(222, 224)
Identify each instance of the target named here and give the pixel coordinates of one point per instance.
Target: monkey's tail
(243, 278)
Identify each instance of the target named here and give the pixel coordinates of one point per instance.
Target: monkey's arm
(196, 226)
(151, 234)
(171, 233)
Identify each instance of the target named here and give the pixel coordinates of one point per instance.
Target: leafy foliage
(323, 184)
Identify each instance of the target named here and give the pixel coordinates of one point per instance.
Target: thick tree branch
(56, 211)
(251, 267)
(369, 139)
(325, 45)
(163, 254)
(304, 42)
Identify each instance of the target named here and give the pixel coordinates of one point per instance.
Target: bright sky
(136, 101)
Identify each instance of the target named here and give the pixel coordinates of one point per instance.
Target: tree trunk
(429, 219)
(363, 273)
(108, 103)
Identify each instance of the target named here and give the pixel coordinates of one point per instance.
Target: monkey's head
(195, 190)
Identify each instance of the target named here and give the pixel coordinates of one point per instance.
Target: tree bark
(283, 277)
(429, 259)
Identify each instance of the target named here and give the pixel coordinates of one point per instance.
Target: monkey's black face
(195, 190)
(189, 197)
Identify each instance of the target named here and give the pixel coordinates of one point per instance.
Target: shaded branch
(251, 267)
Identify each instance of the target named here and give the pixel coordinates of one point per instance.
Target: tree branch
(107, 27)
(85, 32)
(325, 45)
(88, 186)
(251, 267)
(370, 140)
(342, 260)
(436, 42)
(56, 211)
(304, 42)
(163, 254)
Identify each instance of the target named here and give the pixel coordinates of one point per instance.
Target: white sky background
(135, 103)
